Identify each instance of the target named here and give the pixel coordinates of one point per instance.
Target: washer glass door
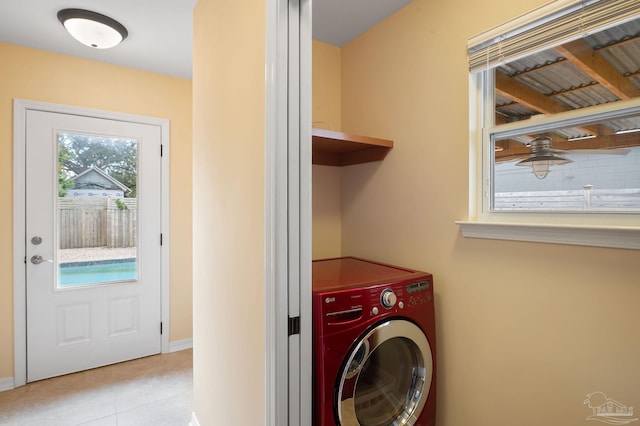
(387, 377)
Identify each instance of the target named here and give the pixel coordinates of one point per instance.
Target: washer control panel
(346, 306)
(395, 297)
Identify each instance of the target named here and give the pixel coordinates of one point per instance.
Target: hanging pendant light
(92, 29)
(542, 157)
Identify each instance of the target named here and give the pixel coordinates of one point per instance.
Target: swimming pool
(97, 272)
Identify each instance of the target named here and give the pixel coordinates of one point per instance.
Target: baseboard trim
(194, 420)
(180, 345)
(7, 383)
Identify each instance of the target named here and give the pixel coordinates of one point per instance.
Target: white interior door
(93, 242)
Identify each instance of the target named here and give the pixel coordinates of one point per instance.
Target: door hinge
(161, 150)
(160, 239)
(294, 326)
(160, 327)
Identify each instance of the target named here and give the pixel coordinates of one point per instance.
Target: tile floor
(156, 390)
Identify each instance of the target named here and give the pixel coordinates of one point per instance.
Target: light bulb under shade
(92, 29)
(541, 161)
(540, 169)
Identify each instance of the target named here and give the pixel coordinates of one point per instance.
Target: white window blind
(546, 27)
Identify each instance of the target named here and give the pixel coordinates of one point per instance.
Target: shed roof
(95, 178)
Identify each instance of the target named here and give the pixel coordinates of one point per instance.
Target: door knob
(37, 259)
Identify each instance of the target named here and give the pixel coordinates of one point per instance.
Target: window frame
(599, 229)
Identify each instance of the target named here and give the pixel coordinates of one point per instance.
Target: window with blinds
(557, 23)
(559, 105)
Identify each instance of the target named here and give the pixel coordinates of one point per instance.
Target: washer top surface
(348, 272)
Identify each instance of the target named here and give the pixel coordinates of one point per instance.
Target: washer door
(387, 377)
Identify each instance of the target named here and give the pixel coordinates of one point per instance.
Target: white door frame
(20, 107)
(288, 213)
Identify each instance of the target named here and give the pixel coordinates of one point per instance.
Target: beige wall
(327, 99)
(525, 330)
(327, 212)
(327, 114)
(48, 77)
(228, 212)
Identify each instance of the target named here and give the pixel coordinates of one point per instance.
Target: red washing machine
(374, 344)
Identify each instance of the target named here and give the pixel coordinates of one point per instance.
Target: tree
(64, 181)
(117, 157)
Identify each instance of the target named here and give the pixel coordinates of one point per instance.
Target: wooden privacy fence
(96, 222)
(587, 199)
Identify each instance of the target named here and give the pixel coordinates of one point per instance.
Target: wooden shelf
(331, 148)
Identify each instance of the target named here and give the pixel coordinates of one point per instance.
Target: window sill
(626, 237)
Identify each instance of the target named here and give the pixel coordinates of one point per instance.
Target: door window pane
(97, 209)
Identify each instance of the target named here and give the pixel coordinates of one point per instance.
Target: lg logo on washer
(329, 300)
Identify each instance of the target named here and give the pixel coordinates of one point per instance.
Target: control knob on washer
(388, 298)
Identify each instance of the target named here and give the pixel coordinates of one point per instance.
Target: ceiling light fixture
(622, 132)
(92, 29)
(542, 157)
(581, 138)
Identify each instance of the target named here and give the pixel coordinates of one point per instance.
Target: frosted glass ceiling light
(541, 163)
(92, 29)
